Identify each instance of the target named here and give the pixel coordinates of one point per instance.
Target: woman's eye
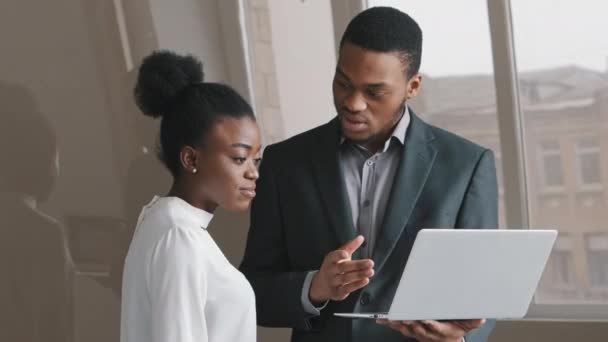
(257, 161)
(239, 160)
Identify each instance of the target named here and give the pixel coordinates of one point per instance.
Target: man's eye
(239, 160)
(375, 94)
(343, 85)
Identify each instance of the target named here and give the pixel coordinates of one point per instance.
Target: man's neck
(377, 143)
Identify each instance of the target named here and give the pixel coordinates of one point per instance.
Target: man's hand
(434, 331)
(339, 275)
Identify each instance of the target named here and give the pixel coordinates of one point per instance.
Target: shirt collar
(184, 212)
(398, 133)
(401, 129)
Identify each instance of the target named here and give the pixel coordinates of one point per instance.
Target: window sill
(587, 189)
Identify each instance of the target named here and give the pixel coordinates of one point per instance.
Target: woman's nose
(252, 173)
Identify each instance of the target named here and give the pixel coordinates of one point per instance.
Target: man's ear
(413, 86)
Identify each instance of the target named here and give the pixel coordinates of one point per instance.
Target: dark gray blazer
(301, 213)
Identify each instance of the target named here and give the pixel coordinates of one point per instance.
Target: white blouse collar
(184, 211)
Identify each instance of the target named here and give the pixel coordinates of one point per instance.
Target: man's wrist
(311, 307)
(313, 293)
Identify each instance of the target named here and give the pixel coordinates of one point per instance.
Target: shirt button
(370, 163)
(364, 300)
(366, 203)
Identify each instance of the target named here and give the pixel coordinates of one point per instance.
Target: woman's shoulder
(184, 240)
(173, 212)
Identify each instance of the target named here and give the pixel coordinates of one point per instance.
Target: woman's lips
(248, 192)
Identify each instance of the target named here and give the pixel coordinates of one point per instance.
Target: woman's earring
(194, 170)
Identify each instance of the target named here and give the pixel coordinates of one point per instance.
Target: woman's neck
(186, 193)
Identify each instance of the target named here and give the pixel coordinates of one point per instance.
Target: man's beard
(398, 115)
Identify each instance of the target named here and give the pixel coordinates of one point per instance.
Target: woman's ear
(188, 157)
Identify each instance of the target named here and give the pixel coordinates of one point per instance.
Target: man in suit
(338, 207)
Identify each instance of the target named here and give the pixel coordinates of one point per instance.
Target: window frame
(512, 137)
(512, 147)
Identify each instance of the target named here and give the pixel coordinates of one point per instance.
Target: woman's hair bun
(162, 76)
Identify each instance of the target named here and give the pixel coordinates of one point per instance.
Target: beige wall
(68, 55)
(189, 26)
(304, 56)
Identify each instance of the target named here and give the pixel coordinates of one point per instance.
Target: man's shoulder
(455, 155)
(454, 143)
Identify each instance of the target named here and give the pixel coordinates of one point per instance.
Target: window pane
(553, 170)
(589, 168)
(559, 277)
(597, 253)
(551, 165)
(563, 87)
(458, 92)
(588, 159)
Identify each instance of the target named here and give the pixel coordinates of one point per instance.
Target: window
(597, 260)
(559, 279)
(588, 163)
(562, 268)
(551, 167)
(562, 91)
(553, 101)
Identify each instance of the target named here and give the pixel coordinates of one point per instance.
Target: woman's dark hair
(171, 86)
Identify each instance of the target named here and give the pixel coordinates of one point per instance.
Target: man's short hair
(386, 29)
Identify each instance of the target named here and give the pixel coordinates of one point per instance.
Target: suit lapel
(331, 182)
(414, 167)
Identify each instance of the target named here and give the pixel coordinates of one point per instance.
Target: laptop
(469, 274)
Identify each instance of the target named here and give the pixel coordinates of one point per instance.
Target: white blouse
(177, 285)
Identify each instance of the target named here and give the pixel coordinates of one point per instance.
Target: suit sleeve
(479, 210)
(277, 287)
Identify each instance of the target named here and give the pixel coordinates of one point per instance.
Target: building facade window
(597, 259)
(588, 163)
(551, 165)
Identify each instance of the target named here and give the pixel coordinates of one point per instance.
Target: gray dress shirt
(368, 178)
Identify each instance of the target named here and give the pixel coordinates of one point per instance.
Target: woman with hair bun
(177, 285)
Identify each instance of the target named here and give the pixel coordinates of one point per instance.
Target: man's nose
(355, 102)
